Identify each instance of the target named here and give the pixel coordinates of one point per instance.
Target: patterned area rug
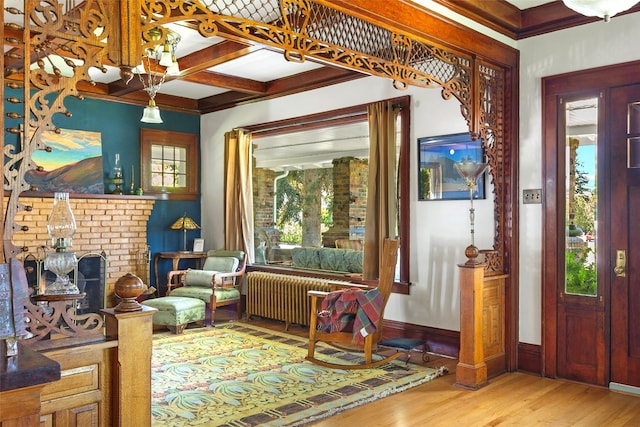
(241, 375)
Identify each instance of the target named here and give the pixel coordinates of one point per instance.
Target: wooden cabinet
(22, 379)
(20, 407)
(105, 382)
(81, 397)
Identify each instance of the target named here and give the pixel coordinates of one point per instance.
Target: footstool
(406, 345)
(176, 312)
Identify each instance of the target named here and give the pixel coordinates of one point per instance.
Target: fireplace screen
(90, 276)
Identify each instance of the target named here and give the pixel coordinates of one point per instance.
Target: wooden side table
(176, 257)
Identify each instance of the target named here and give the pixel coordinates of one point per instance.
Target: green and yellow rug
(241, 375)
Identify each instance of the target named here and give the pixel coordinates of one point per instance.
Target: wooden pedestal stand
(471, 371)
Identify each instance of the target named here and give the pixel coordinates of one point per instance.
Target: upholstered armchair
(218, 283)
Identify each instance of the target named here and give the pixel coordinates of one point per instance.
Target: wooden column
(471, 371)
(131, 365)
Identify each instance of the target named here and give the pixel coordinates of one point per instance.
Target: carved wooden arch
(300, 28)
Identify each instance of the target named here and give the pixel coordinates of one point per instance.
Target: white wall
(578, 48)
(439, 229)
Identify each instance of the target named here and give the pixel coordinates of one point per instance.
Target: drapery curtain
(382, 199)
(238, 200)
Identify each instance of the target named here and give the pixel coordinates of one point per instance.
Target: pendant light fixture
(605, 9)
(157, 63)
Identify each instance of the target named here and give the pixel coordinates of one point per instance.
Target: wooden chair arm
(229, 276)
(175, 273)
(317, 294)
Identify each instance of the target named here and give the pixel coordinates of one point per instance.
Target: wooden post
(131, 365)
(471, 371)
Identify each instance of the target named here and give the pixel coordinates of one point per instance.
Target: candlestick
(132, 187)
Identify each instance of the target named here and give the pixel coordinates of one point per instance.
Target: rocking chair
(321, 329)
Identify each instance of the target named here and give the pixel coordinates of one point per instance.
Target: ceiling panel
(312, 148)
(525, 4)
(263, 66)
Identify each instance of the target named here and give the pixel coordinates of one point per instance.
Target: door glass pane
(581, 196)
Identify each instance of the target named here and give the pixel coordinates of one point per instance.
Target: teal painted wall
(119, 125)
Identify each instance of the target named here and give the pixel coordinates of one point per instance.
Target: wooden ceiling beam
(214, 55)
(194, 63)
(210, 78)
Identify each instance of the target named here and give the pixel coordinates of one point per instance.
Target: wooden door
(625, 235)
(594, 339)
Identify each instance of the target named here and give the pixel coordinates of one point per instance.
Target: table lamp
(184, 223)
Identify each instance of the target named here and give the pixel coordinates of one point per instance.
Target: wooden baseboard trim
(530, 358)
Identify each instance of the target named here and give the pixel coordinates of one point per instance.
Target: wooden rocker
(344, 339)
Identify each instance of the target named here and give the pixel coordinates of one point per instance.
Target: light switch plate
(532, 196)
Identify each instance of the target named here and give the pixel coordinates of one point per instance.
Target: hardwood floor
(511, 399)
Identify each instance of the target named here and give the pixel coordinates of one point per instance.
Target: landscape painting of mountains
(74, 164)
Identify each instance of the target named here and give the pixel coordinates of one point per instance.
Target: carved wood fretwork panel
(46, 29)
(300, 28)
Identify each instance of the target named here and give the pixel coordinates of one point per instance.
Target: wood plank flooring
(513, 399)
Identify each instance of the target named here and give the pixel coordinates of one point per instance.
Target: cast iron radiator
(284, 297)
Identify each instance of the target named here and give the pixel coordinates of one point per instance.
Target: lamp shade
(604, 9)
(470, 170)
(151, 113)
(165, 57)
(184, 223)
(61, 224)
(174, 68)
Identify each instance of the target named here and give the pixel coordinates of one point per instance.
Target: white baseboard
(624, 388)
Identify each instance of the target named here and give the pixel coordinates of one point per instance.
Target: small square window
(169, 162)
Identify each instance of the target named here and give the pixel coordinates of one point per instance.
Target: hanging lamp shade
(174, 68)
(165, 57)
(605, 9)
(151, 113)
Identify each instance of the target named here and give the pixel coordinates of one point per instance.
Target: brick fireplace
(115, 225)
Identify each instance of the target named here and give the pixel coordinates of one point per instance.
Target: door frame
(553, 87)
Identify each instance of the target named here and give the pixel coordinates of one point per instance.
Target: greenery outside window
(169, 163)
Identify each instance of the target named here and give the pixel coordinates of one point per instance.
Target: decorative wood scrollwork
(300, 28)
(58, 318)
(47, 30)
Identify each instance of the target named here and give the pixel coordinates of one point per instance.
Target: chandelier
(158, 62)
(605, 9)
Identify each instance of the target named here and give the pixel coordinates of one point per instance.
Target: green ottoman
(176, 312)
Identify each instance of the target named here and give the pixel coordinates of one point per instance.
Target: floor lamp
(471, 171)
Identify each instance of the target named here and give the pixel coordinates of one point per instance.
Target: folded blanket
(351, 310)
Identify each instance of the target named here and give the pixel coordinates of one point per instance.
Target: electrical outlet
(532, 196)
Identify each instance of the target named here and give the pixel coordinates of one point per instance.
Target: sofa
(330, 259)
